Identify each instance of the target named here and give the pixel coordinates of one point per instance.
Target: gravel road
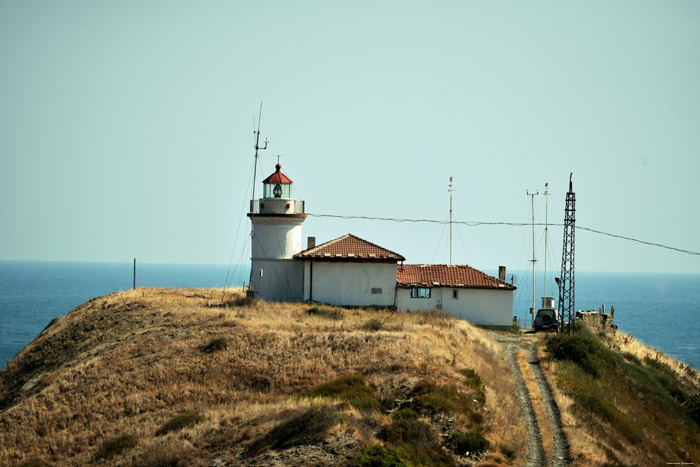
(536, 455)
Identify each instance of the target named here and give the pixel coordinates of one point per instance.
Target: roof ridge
(352, 243)
(444, 275)
(324, 244)
(373, 244)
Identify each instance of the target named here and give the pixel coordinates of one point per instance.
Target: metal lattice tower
(566, 286)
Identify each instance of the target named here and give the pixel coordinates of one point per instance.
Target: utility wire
(511, 224)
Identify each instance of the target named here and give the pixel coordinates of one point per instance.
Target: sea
(661, 310)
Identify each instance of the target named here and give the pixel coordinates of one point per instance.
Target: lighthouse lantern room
(276, 237)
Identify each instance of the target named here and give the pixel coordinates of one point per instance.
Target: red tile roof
(442, 275)
(349, 248)
(277, 177)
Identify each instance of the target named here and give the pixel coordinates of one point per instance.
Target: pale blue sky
(126, 126)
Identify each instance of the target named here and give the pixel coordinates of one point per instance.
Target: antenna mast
(257, 146)
(546, 209)
(255, 169)
(533, 260)
(450, 190)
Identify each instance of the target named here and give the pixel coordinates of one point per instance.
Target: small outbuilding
(461, 290)
(350, 271)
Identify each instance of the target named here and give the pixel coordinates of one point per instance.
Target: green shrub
(406, 427)
(115, 446)
(326, 312)
(246, 302)
(693, 405)
(353, 389)
(215, 345)
(582, 349)
(414, 439)
(378, 456)
(593, 405)
(474, 381)
(508, 452)
(472, 442)
(658, 364)
(632, 358)
(179, 422)
(306, 427)
(579, 326)
(373, 324)
(515, 328)
(445, 398)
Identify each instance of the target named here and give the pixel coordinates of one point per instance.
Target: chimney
(502, 273)
(310, 242)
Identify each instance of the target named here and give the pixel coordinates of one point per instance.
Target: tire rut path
(561, 445)
(536, 455)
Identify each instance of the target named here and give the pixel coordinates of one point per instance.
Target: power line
(510, 224)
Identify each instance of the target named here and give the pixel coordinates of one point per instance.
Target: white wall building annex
(350, 271)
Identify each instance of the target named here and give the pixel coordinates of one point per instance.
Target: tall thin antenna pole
(450, 190)
(257, 147)
(546, 209)
(533, 260)
(255, 169)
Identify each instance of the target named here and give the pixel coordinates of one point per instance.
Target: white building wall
(350, 283)
(281, 281)
(484, 307)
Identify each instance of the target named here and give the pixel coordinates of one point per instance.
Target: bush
(378, 456)
(246, 301)
(215, 345)
(515, 328)
(473, 442)
(632, 358)
(582, 349)
(447, 399)
(694, 407)
(474, 381)
(353, 389)
(306, 427)
(508, 452)
(407, 428)
(373, 324)
(326, 312)
(115, 446)
(179, 422)
(414, 440)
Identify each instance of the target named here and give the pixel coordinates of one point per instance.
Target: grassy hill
(156, 377)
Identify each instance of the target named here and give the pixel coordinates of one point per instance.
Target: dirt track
(536, 455)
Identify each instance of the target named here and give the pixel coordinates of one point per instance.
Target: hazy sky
(126, 128)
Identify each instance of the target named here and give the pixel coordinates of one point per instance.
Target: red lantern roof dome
(278, 176)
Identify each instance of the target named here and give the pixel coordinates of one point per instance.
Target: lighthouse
(276, 237)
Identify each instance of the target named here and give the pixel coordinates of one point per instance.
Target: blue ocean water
(659, 309)
(32, 293)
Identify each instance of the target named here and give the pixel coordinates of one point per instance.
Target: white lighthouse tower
(276, 237)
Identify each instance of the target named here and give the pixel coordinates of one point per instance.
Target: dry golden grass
(629, 344)
(583, 448)
(537, 404)
(633, 422)
(126, 363)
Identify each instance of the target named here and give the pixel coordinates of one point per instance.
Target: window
(455, 294)
(420, 292)
(376, 290)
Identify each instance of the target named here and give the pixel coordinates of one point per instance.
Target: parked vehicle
(547, 317)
